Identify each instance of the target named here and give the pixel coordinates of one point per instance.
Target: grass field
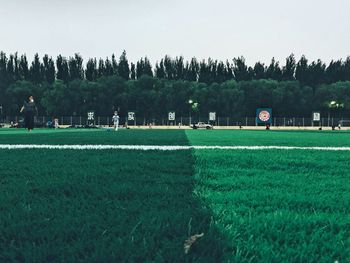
(141, 206)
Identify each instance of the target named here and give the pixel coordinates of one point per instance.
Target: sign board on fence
(212, 116)
(264, 116)
(171, 116)
(131, 116)
(91, 116)
(316, 116)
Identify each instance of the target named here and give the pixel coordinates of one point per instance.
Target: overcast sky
(221, 29)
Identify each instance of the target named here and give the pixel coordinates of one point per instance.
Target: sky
(220, 29)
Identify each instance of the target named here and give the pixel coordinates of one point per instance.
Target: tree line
(68, 86)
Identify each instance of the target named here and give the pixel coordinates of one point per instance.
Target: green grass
(263, 137)
(93, 206)
(278, 208)
(140, 206)
(93, 136)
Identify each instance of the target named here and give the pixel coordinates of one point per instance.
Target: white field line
(163, 147)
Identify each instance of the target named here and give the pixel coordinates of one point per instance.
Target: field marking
(163, 147)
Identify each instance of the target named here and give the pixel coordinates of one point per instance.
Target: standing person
(29, 109)
(115, 119)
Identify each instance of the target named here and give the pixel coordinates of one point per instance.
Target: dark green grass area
(278, 206)
(101, 206)
(263, 137)
(93, 136)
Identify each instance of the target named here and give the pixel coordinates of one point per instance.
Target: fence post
(80, 120)
(303, 122)
(246, 121)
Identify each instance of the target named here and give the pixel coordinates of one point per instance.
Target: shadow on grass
(102, 206)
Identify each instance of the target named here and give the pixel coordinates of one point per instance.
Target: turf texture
(136, 206)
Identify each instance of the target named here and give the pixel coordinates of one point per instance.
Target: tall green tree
(49, 69)
(75, 65)
(108, 68)
(35, 70)
(302, 71)
(91, 72)
(62, 69)
(133, 72)
(288, 70)
(123, 66)
(274, 71)
(23, 68)
(259, 71)
(240, 69)
(160, 71)
(114, 65)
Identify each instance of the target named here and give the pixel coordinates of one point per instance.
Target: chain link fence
(184, 121)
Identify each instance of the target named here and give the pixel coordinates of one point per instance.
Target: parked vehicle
(202, 125)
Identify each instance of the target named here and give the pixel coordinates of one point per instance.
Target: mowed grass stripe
(273, 207)
(162, 147)
(269, 138)
(102, 206)
(96, 137)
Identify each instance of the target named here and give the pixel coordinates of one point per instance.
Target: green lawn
(140, 206)
(263, 137)
(93, 136)
(277, 208)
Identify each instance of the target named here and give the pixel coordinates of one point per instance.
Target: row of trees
(152, 97)
(14, 68)
(68, 86)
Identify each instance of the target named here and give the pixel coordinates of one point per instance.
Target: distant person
(29, 110)
(56, 125)
(115, 119)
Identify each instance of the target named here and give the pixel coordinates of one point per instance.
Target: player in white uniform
(115, 119)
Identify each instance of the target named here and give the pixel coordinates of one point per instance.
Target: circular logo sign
(264, 115)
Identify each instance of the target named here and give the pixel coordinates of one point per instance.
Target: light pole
(190, 102)
(334, 105)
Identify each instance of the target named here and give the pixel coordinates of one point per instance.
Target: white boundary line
(163, 147)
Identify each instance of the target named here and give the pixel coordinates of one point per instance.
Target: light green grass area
(278, 206)
(140, 206)
(263, 137)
